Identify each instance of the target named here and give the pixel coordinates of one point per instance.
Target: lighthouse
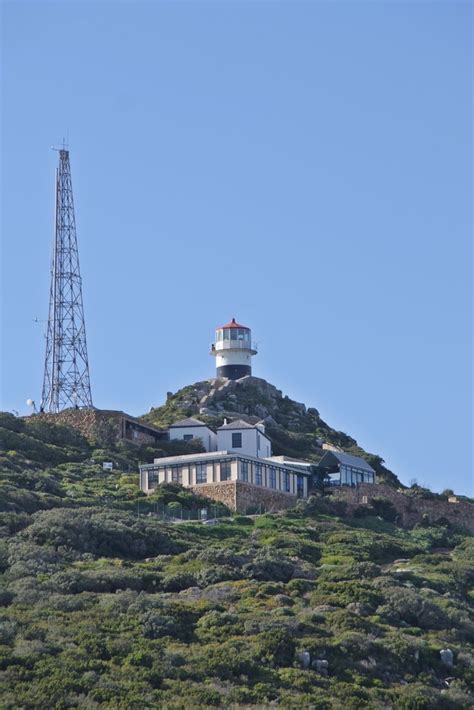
(233, 351)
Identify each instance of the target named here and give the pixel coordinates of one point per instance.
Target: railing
(233, 345)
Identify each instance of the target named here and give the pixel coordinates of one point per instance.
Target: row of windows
(175, 474)
(233, 334)
(263, 475)
(352, 475)
(267, 475)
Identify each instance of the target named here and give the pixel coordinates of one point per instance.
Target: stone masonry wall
(223, 492)
(88, 422)
(270, 500)
(105, 424)
(240, 496)
(410, 509)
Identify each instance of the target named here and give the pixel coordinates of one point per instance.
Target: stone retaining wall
(108, 425)
(411, 510)
(240, 496)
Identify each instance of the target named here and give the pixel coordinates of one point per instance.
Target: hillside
(295, 430)
(105, 606)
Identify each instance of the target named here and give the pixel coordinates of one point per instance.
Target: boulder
(447, 657)
(321, 666)
(305, 659)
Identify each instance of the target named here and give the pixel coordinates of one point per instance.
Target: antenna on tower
(66, 380)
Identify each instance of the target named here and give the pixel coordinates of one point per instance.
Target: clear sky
(304, 167)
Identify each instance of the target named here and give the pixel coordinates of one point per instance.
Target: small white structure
(191, 429)
(245, 439)
(233, 351)
(107, 466)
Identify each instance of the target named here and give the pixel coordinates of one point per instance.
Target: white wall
(233, 357)
(208, 437)
(254, 443)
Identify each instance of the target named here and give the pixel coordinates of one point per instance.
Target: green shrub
(269, 565)
(277, 647)
(179, 581)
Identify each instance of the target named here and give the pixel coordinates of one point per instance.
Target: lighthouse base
(233, 372)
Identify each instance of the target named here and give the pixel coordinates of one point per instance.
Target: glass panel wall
(177, 474)
(153, 478)
(273, 477)
(300, 486)
(225, 471)
(201, 473)
(244, 471)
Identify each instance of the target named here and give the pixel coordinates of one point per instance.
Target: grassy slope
(104, 609)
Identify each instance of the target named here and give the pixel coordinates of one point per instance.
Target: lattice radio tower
(66, 369)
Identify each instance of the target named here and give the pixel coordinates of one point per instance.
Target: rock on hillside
(295, 430)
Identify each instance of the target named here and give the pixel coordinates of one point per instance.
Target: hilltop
(295, 430)
(105, 604)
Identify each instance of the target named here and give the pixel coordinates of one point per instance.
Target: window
(236, 440)
(177, 474)
(188, 437)
(273, 477)
(201, 473)
(233, 334)
(244, 470)
(286, 482)
(225, 470)
(258, 474)
(153, 478)
(226, 334)
(300, 486)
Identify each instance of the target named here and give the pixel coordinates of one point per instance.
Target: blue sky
(304, 167)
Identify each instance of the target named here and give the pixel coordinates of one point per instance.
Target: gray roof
(238, 424)
(190, 421)
(346, 460)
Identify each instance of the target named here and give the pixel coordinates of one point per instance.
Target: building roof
(233, 324)
(346, 460)
(237, 424)
(190, 421)
(216, 455)
(128, 417)
(290, 460)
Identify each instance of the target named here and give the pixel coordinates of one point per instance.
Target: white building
(216, 467)
(192, 429)
(245, 439)
(233, 350)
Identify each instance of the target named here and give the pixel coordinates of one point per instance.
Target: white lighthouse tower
(233, 351)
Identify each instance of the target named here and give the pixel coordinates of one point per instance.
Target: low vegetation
(103, 604)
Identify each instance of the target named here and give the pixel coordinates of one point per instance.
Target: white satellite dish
(31, 403)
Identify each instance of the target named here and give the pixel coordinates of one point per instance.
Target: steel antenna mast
(66, 380)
